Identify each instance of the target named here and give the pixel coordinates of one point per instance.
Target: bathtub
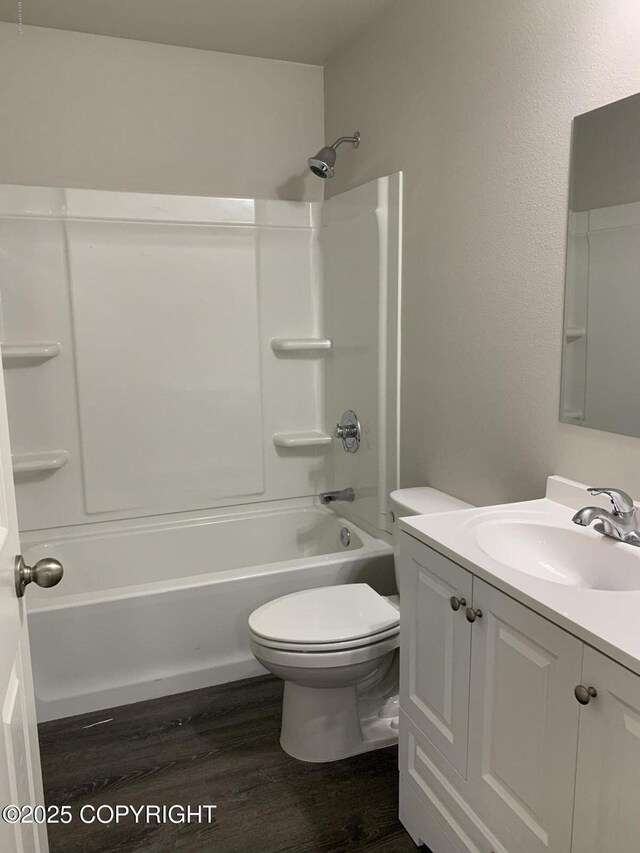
(146, 609)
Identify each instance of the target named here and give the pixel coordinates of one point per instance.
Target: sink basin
(577, 558)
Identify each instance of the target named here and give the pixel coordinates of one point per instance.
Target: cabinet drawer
(441, 799)
(435, 648)
(423, 824)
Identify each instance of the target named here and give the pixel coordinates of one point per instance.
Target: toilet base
(320, 724)
(327, 724)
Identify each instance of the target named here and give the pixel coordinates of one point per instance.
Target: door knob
(456, 603)
(46, 572)
(472, 614)
(584, 695)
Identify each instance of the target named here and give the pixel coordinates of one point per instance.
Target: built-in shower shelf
(301, 345)
(575, 334)
(293, 440)
(30, 351)
(49, 460)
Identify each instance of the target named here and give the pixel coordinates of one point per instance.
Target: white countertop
(607, 620)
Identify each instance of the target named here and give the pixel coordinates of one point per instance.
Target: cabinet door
(435, 648)
(607, 810)
(523, 728)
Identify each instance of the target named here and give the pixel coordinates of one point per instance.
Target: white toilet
(336, 650)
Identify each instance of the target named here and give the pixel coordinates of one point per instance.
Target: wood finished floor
(218, 745)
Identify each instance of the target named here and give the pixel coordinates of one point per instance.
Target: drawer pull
(472, 614)
(456, 603)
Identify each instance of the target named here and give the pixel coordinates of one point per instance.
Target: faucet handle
(622, 502)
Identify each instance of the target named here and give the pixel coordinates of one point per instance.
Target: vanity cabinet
(436, 650)
(497, 755)
(607, 804)
(523, 722)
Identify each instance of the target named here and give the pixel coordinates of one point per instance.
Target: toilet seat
(325, 660)
(324, 647)
(325, 619)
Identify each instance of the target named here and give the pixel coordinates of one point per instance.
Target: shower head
(323, 164)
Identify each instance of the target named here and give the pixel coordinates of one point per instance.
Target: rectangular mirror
(600, 373)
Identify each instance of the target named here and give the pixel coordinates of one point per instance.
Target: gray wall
(475, 100)
(90, 111)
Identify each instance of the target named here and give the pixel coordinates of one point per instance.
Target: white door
(523, 718)
(20, 776)
(435, 648)
(607, 809)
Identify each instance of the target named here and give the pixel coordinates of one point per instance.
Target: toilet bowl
(336, 649)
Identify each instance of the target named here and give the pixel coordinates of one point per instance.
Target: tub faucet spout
(343, 495)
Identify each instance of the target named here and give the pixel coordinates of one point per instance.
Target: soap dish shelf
(49, 460)
(294, 440)
(30, 351)
(300, 345)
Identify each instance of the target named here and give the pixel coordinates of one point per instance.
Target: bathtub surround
(180, 296)
(475, 101)
(360, 244)
(188, 299)
(111, 113)
(174, 368)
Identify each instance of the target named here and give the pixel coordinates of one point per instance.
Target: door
(607, 813)
(435, 648)
(523, 719)
(20, 776)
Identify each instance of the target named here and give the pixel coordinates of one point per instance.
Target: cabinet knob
(456, 603)
(584, 695)
(472, 614)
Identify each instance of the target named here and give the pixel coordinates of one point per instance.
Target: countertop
(607, 620)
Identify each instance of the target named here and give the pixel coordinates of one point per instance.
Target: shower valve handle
(343, 432)
(348, 431)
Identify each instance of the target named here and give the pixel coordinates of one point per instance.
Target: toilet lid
(327, 615)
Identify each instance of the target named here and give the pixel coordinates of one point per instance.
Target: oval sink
(571, 557)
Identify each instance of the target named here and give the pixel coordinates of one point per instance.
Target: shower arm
(354, 140)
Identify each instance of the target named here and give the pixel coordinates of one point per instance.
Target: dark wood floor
(218, 745)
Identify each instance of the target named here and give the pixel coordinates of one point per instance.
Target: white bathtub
(149, 609)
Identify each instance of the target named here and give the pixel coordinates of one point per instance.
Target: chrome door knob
(456, 603)
(46, 572)
(584, 695)
(472, 614)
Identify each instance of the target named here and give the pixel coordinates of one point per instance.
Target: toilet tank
(422, 500)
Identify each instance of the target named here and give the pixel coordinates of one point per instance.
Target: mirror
(601, 364)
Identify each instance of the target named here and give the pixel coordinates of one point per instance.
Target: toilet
(336, 648)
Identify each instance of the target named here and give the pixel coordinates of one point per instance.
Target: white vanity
(520, 681)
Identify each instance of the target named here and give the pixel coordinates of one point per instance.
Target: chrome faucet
(344, 495)
(621, 523)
